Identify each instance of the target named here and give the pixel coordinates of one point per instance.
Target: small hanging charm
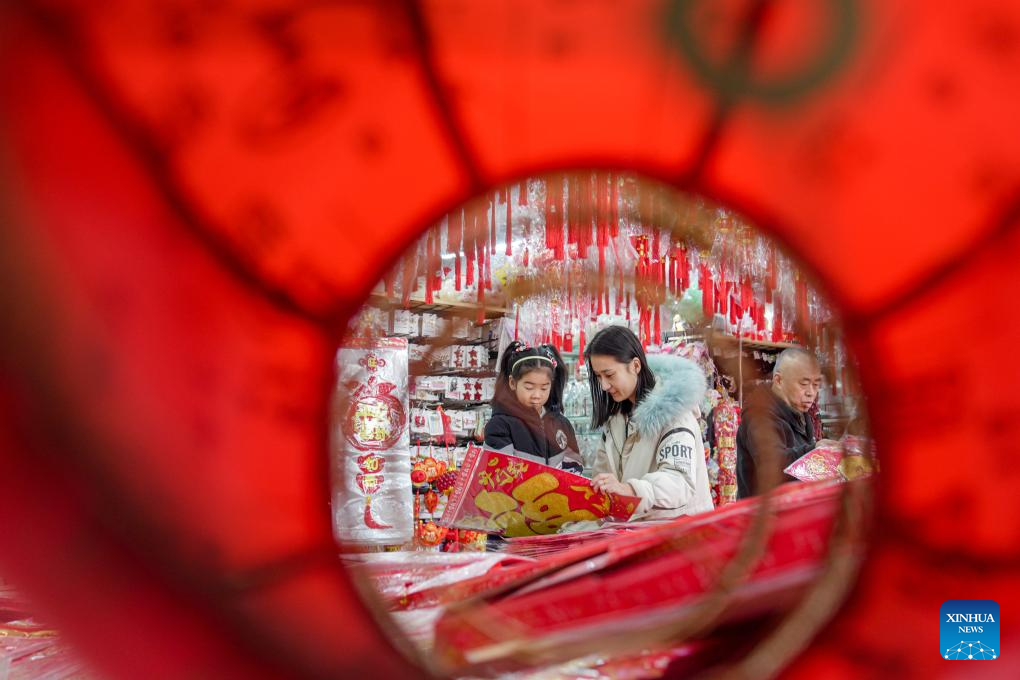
(431, 501)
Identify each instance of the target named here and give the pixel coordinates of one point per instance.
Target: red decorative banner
(500, 493)
(372, 490)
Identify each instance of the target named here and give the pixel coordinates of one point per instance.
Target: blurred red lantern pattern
(197, 195)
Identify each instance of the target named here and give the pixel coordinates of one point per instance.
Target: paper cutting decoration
(372, 458)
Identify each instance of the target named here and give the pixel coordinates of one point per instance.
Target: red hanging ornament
(431, 501)
(492, 226)
(685, 269)
(522, 192)
(509, 225)
(672, 274)
(707, 290)
(470, 231)
(777, 319)
(554, 216)
(429, 281)
(571, 213)
(480, 319)
(390, 279)
(802, 303)
(407, 281)
(772, 278)
(614, 206)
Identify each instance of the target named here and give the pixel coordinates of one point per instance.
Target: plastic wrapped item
(401, 576)
(817, 464)
(429, 325)
(372, 500)
(504, 494)
(406, 323)
(850, 458)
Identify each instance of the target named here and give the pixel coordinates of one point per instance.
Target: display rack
(418, 305)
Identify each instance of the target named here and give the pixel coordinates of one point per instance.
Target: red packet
(817, 464)
(500, 493)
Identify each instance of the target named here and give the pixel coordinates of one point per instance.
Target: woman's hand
(608, 483)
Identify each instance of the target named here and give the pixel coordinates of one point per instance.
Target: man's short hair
(792, 355)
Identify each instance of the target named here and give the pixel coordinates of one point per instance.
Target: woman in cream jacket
(651, 442)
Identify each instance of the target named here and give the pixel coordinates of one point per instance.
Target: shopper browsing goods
(527, 410)
(775, 428)
(651, 441)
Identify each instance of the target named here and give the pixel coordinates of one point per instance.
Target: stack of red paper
(633, 581)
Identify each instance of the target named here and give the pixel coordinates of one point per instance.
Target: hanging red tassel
(522, 192)
(627, 304)
(480, 258)
(777, 320)
(492, 226)
(571, 212)
(614, 206)
(517, 323)
(657, 313)
(802, 303)
(580, 345)
(429, 280)
(509, 224)
(772, 278)
(554, 216)
(707, 288)
(685, 269)
(390, 279)
(470, 232)
(410, 269)
(585, 215)
(672, 273)
(454, 234)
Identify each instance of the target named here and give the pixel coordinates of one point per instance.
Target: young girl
(651, 442)
(526, 409)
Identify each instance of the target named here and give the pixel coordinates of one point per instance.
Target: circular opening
(587, 423)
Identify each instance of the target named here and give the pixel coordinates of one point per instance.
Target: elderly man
(775, 428)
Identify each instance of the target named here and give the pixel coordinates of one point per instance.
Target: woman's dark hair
(519, 359)
(621, 344)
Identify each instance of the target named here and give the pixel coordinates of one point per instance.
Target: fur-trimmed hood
(680, 385)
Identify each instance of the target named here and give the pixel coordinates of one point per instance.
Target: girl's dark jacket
(548, 439)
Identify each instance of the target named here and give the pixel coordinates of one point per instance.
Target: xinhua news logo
(969, 630)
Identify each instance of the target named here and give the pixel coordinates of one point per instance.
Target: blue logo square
(969, 630)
